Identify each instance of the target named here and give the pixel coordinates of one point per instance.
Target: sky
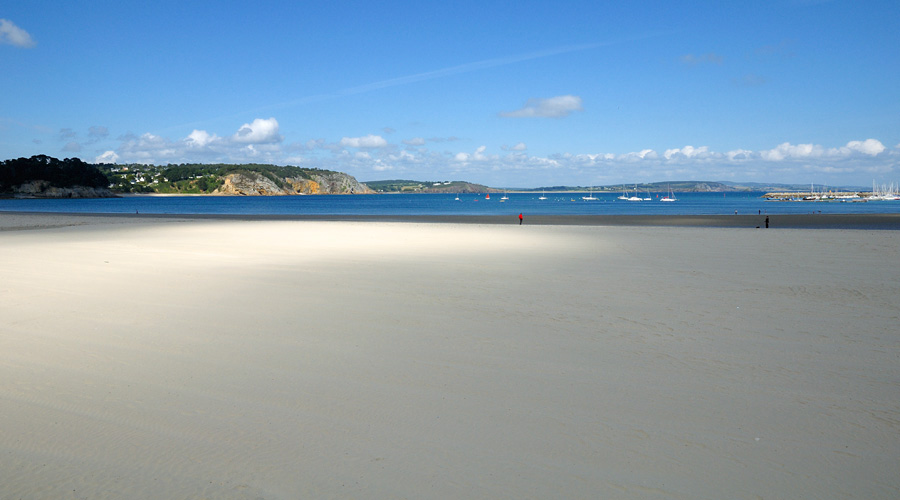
(521, 94)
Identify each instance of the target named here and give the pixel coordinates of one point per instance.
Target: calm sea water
(446, 204)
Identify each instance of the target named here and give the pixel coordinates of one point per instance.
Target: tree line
(75, 172)
(59, 173)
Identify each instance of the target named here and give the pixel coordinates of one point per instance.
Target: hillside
(407, 186)
(46, 177)
(227, 179)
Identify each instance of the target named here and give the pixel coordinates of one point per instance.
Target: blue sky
(524, 94)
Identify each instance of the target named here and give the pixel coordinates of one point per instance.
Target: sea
(745, 203)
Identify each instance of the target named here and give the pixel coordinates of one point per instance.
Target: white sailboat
(670, 196)
(624, 194)
(505, 196)
(635, 197)
(542, 195)
(590, 196)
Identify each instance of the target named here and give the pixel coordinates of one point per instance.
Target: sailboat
(590, 195)
(635, 197)
(624, 194)
(542, 195)
(670, 196)
(504, 197)
(457, 196)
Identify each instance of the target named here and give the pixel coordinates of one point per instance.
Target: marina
(884, 193)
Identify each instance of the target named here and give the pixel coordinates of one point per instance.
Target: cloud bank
(256, 141)
(372, 156)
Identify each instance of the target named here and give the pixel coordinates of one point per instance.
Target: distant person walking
(767, 222)
(520, 219)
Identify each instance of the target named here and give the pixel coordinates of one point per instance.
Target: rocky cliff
(254, 183)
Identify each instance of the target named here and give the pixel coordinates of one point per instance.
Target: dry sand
(188, 358)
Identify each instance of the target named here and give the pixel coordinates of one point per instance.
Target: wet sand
(190, 357)
(27, 220)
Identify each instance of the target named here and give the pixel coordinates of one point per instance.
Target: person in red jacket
(520, 219)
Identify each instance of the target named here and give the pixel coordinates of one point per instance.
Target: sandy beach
(185, 357)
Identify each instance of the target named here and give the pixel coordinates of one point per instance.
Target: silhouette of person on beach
(767, 222)
(520, 219)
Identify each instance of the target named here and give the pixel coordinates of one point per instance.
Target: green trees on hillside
(59, 173)
(188, 178)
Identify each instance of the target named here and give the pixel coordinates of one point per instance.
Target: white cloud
(739, 154)
(13, 35)
(870, 147)
(415, 141)
(686, 152)
(147, 148)
(553, 107)
(788, 151)
(639, 155)
(477, 156)
(107, 157)
(403, 155)
(259, 132)
(369, 141)
(519, 147)
(200, 139)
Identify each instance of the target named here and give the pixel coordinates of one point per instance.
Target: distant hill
(762, 186)
(42, 176)
(413, 186)
(677, 186)
(407, 186)
(410, 186)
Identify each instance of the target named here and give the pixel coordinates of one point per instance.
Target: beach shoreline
(10, 219)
